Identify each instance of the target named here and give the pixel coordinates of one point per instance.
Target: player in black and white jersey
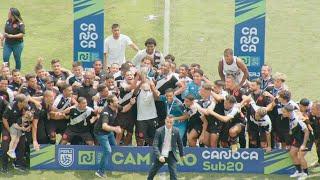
(260, 125)
(259, 99)
(100, 99)
(194, 129)
(234, 123)
(75, 80)
(314, 120)
(126, 120)
(300, 135)
(57, 119)
(81, 116)
(280, 123)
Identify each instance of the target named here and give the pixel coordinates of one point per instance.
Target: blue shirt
(193, 89)
(175, 108)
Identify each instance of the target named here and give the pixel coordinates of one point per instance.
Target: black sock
(298, 167)
(306, 171)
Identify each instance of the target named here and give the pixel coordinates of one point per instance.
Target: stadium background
(199, 32)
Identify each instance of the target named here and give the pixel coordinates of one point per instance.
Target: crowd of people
(119, 99)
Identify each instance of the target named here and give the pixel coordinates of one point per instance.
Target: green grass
(199, 32)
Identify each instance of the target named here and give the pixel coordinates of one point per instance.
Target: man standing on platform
(115, 47)
(165, 143)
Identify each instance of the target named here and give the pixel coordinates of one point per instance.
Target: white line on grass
(166, 34)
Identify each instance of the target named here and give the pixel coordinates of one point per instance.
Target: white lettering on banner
(88, 36)
(226, 155)
(254, 74)
(249, 39)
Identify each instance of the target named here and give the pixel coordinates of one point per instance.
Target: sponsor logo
(66, 157)
(86, 158)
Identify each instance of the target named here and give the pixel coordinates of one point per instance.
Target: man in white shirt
(115, 46)
(149, 51)
(165, 146)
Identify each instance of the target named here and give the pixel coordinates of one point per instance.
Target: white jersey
(116, 48)
(232, 69)
(146, 107)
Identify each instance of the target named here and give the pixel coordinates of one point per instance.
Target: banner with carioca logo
(249, 34)
(139, 159)
(88, 31)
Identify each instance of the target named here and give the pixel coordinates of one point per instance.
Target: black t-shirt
(164, 84)
(42, 116)
(106, 116)
(13, 114)
(87, 92)
(80, 120)
(14, 28)
(41, 83)
(4, 95)
(73, 79)
(14, 86)
(62, 76)
(29, 91)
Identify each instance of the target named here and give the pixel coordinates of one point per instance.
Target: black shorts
(257, 132)
(68, 135)
(283, 136)
(214, 127)
(126, 121)
(57, 126)
(224, 134)
(196, 125)
(146, 129)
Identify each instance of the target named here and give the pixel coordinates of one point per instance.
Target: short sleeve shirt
(14, 28)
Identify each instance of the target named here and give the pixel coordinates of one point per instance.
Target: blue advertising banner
(249, 34)
(139, 159)
(88, 31)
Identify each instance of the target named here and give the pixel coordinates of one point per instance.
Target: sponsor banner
(139, 159)
(88, 32)
(249, 34)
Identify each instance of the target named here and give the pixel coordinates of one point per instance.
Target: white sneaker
(11, 154)
(295, 174)
(314, 164)
(303, 176)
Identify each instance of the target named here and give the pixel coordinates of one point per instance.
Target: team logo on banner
(66, 157)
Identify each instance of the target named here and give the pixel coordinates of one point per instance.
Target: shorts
(196, 125)
(15, 132)
(126, 121)
(146, 129)
(68, 135)
(283, 136)
(224, 135)
(214, 127)
(57, 126)
(257, 132)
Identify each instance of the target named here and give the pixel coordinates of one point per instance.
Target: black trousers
(20, 150)
(172, 165)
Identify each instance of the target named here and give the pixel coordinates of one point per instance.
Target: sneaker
(11, 154)
(19, 168)
(314, 164)
(295, 174)
(234, 148)
(99, 174)
(303, 176)
(4, 170)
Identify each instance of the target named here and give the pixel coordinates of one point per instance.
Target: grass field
(199, 32)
